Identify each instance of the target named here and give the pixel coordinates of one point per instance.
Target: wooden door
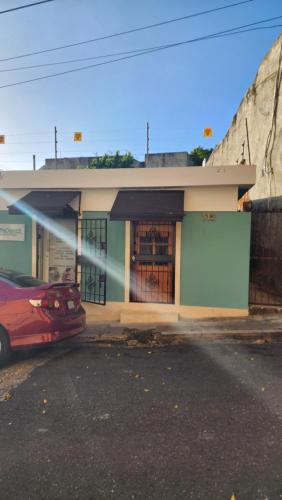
(152, 262)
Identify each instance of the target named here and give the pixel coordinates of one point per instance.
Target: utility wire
(127, 32)
(135, 51)
(231, 31)
(24, 6)
(69, 61)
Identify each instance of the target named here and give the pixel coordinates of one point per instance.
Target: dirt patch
(133, 337)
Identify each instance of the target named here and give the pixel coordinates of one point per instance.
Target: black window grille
(93, 277)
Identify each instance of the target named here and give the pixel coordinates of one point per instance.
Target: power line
(231, 31)
(69, 61)
(127, 32)
(24, 6)
(113, 54)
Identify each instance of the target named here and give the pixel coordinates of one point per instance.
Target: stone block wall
(262, 108)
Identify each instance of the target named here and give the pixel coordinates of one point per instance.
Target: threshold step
(129, 317)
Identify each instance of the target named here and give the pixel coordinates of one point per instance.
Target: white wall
(213, 198)
(132, 178)
(205, 198)
(97, 199)
(12, 196)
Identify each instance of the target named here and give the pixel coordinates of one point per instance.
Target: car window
(21, 280)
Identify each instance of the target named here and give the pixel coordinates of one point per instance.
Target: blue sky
(178, 91)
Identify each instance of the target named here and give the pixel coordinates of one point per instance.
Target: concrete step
(132, 317)
(256, 309)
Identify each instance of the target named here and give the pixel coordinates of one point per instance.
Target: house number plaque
(208, 217)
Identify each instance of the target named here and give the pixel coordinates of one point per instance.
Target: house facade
(154, 244)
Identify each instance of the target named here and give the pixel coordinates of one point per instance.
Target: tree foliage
(199, 154)
(113, 161)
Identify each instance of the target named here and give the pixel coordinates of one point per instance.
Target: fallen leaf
(169, 368)
(146, 390)
(8, 396)
(233, 497)
(118, 354)
(149, 352)
(176, 407)
(45, 401)
(43, 412)
(263, 388)
(137, 375)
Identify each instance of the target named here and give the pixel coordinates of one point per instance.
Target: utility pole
(34, 162)
(56, 145)
(148, 138)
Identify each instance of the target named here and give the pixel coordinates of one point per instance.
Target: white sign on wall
(12, 232)
(62, 255)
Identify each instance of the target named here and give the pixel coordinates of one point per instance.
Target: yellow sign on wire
(77, 136)
(208, 132)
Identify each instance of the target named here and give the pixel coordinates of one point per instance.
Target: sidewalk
(266, 328)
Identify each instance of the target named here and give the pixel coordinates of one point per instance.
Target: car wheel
(5, 350)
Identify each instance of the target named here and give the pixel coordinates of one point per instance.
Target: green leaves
(113, 161)
(198, 154)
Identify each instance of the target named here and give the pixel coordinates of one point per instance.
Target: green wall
(115, 251)
(17, 254)
(215, 259)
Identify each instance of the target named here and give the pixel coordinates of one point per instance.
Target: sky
(179, 91)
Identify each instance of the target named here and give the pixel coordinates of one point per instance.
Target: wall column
(177, 262)
(127, 262)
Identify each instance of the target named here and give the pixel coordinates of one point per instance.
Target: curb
(168, 338)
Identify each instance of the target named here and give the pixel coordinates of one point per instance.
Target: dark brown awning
(51, 203)
(148, 205)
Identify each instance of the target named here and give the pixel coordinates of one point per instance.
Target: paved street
(195, 421)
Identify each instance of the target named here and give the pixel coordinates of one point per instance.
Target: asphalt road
(182, 422)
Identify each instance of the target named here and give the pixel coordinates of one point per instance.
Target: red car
(33, 312)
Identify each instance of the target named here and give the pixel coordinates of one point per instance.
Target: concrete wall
(215, 260)
(157, 160)
(67, 163)
(17, 255)
(216, 198)
(131, 178)
(258, 107)
(11, 196)
(177, 159)
(79, 162)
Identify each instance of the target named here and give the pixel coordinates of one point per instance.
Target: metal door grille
(266, 259)
(152, 262)
(93, 260)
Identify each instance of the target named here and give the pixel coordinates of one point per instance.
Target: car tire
(5, 350)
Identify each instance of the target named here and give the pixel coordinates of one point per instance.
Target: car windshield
(20, 280)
